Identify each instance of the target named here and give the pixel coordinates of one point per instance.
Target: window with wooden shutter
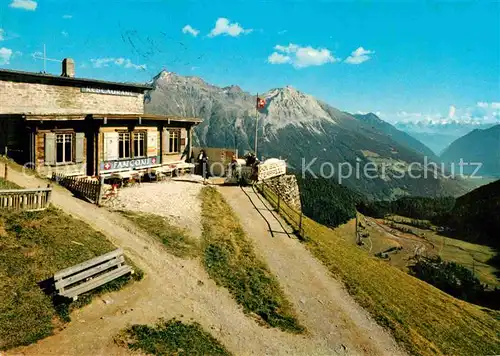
(50, 148)
(79, 147)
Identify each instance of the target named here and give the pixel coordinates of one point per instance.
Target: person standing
(203, 164)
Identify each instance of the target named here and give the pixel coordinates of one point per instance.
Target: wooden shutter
(183, 138)
(50, 148)
(152, 137)
(166, 142)
(79, 147)
(110, 146)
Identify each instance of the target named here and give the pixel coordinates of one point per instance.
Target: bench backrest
(67, 277)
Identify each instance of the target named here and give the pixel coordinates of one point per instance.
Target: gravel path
(324, 306)
(177, 200)
(172, 287)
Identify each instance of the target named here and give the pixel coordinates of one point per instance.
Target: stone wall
(287, 187)
(34, 98)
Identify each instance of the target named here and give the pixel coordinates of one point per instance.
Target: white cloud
(5, 55)
(2, 34)
(64, 33)
(29, 5)
(482, 104)
(282, 32)
(278, 58)
(224, 27)
(359, 56)
(452, 111)
(67, 17)
(190, 30)
(495, 105)
(120, 62)
(301, 57)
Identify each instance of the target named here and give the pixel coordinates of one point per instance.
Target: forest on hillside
(327, 202)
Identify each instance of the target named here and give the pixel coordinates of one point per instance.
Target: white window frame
(174, 140)
(140, 137)
(65, 138)
(122, 142)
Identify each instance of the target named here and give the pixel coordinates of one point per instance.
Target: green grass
(176, 240)
(171, 337)
(231, 261)
(33, 246)
(5, 184)
(422, 319)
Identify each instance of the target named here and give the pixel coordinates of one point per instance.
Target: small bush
(171, 337)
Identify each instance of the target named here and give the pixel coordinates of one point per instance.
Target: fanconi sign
(129, 164)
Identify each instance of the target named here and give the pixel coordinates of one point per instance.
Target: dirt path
(175, 287)
(323, 304)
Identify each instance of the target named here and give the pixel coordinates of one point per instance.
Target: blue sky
(406, 60)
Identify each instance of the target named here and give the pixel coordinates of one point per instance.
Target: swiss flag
(261, 103)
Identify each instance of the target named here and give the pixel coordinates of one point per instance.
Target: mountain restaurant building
(78, 126)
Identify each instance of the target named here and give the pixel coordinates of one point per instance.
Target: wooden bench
(76, 280)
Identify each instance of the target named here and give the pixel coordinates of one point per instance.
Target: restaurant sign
(129, 164)
(107, 91)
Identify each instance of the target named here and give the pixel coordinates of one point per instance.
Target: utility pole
(256, 124)
(356, 230)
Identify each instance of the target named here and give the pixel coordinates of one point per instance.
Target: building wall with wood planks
(35, 98)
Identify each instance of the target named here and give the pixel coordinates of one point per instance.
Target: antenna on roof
(45, 59)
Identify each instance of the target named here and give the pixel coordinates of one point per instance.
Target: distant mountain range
(310, 134)
(478, 146)
(438, 135)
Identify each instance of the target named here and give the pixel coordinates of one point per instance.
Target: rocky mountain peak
(289, 106)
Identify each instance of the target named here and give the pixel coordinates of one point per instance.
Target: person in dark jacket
(203, 164)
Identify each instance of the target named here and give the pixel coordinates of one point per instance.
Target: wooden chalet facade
(77, 126)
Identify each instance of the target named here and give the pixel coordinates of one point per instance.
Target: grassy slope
(5, 184)
(33, 246)
(230, 260)
(172, 337)
(423, 319)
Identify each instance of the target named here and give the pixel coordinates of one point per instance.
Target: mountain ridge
(299, 128)
(478, 146)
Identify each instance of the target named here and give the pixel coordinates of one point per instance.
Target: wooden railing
(25, 199)
(84, 187)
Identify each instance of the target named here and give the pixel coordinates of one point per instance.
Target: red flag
(261, 103)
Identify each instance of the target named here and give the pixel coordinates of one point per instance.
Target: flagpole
(256, 123)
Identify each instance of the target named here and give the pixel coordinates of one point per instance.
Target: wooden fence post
(300, 224)
(101, 191)
(49, 195)
(5, 172)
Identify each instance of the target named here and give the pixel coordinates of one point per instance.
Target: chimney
(68, 68)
